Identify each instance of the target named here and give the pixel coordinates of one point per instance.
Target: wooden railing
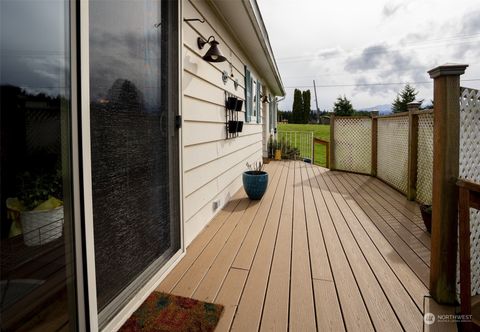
(397, 148)
(469, 197)
(327, 150)
(426, 165)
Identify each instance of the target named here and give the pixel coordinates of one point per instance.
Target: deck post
(412, 150)
(332, 142)
(374, 142)
(443, 263)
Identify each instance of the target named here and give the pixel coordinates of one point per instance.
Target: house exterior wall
(212, 165)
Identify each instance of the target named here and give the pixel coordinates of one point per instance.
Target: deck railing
(396, 148)
(469, 169)
(421, 154)
(300, 140)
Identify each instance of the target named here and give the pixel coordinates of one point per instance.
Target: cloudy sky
(359, 48)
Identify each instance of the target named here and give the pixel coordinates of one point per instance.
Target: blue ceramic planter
(255, 185)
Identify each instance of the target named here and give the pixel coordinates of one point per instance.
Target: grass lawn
(319, 131)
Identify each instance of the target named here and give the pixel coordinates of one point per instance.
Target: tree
(407, 95)
(306, 106)
(297, 108)
(343, 107)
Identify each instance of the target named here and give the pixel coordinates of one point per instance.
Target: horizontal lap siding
(212, 165)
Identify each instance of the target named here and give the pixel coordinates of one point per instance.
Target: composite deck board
(403, 305)
(325, 251)
(397, 227)
(364, 226)
(211, 283)
(192, 278)
(406, 252)
(407, 223)
(197, 271)
(276, 306)
(355, 313)
(302, 310)
(250, 307)
(320, 264)
(246, 253)
(198, 246)
(229, 296)
(412, 214)
(380, 311)
(396, 196)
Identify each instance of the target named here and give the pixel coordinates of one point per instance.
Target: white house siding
(212, 165)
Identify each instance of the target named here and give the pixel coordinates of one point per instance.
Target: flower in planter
(36, 189)
(38, 207)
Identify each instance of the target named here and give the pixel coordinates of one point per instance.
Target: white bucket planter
(40, 227)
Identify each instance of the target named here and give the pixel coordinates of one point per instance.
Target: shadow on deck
(326, 251)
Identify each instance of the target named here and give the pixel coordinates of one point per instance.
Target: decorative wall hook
(193, 20)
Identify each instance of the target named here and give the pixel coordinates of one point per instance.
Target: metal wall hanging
(233, 106)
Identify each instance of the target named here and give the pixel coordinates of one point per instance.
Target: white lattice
(392, 151)
(470, 168)
(425, 158)
(353, 144)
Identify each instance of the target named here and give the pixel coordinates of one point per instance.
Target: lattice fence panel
(425, 158)
(470, 168)
(353, 144)
(392, 151)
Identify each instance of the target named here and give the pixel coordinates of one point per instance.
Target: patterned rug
(165, 312)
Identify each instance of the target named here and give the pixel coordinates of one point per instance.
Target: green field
(319, 131)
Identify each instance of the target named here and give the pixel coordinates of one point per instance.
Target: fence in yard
(401, 149)
(300, 140)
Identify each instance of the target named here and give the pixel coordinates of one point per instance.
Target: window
(253, 105)
(255, 99)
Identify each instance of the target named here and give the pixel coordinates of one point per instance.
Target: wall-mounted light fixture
(213, 54)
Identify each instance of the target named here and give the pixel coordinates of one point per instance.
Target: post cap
(414, 104)
(447, 69)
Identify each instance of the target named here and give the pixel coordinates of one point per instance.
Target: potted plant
(271, 147)
(41, 207)
(274, 149)
(255, 181)
(426, 211)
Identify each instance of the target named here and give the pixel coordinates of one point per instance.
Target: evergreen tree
(297, 108)
(407, 95)
(306, 106)
(343, 107)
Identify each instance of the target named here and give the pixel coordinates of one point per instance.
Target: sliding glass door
(134, 145)
(37, 264)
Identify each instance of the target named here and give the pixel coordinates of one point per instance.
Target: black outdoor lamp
(213, 54)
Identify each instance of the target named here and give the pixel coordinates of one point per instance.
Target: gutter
(253, 11)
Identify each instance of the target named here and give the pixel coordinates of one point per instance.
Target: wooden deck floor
(326, 251)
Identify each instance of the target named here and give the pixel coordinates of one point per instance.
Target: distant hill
(383, 109)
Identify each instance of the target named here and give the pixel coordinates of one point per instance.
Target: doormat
(165, 312)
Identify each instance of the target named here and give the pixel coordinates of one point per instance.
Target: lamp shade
(214, 54)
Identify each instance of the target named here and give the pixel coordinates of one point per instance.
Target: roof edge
(254, 10)
(251, 12)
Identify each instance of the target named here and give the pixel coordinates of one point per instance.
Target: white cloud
(347, 42)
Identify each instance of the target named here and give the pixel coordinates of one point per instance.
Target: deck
(323, 250)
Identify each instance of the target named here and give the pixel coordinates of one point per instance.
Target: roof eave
(251, 13)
